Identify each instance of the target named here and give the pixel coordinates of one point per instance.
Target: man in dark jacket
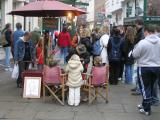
(23, 55)
(140, 30)
(139, 36)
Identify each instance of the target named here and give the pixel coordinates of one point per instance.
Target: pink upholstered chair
(54, 82)
(97, 82)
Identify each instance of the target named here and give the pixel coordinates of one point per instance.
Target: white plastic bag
(15, 72)
(30, 67)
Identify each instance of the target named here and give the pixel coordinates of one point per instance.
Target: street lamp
(69, 15)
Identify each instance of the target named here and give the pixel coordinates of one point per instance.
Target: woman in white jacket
(74, 69)
(104, 43)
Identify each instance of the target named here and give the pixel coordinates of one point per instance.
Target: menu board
(50, 24)
(32, 87)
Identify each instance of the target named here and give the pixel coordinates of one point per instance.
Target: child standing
(74, 69)
(39, 54)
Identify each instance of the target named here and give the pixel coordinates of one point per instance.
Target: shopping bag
(15, 72)
(32, 66)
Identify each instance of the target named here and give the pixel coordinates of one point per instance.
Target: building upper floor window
(112, 2)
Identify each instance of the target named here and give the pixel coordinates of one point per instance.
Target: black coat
(128, 46)
(139, 35)
(85, 57)
(116, 41)
(86, 41)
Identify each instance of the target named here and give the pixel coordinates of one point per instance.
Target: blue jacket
(16, 35)
(19, 50)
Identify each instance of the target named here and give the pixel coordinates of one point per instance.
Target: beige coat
(74, 69)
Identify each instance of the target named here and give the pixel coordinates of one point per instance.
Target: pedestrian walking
(64, 42)
(122, 34)
(23, 55)
(146, 52)
(115, 53)
(139, 36)
(16, 36)
(128, 46)
(74, 69)
(7, 47)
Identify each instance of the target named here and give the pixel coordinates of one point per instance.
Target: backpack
(96, 48)
(115, 54)
(3, 40)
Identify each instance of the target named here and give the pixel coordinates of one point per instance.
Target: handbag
(15, 72)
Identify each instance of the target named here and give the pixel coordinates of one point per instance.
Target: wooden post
(24, 23)
(13, 22)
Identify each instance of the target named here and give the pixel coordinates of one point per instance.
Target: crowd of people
(120, 48)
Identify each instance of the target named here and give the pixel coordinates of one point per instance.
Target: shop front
(151, 13)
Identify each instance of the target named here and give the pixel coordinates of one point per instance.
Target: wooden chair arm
(87, 74)
(64, 74)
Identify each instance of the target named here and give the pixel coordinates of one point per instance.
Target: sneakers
(142, 111)
(140, 106)
(133, 89)
(8, 69)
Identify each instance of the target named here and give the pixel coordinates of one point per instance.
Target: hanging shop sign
(50, 24)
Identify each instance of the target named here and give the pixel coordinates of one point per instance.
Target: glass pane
(153, 8)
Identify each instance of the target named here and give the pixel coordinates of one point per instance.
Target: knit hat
(81, 49)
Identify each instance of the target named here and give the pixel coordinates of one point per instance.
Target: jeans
(128, 74)
(7, 56)
(64, 53)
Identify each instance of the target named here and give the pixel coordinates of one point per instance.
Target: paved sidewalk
(121, 106)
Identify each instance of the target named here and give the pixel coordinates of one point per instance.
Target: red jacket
(74, 41)
(39, 55)
(64, 39)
